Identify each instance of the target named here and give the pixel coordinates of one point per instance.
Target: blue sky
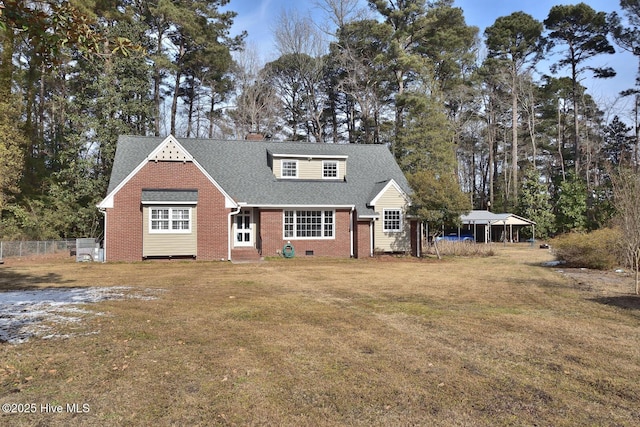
(258, 17)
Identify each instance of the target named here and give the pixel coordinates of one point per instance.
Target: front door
(243, 228)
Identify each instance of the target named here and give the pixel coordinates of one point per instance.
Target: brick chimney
(254, 136)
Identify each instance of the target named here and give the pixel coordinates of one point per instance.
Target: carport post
(504, 232)
(533, 235)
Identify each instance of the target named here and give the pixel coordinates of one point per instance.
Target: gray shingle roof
(241, 169)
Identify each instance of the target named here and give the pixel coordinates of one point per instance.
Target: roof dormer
(308, 166)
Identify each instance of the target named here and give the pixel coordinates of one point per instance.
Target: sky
(258, 18)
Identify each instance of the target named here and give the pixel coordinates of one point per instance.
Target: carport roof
(481, 217)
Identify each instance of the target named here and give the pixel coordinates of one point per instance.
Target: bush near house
(597, 250)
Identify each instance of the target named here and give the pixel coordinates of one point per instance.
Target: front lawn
(489, 341)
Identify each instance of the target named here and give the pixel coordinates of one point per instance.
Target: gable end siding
(392, 241)
(125, 222)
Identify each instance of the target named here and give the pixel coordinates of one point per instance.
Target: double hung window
(289, 169)
(169, 220)
(392, 220)
(329, 169)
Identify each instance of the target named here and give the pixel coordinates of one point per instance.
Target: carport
(488, 226)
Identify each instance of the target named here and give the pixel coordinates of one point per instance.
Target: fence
(30, 248)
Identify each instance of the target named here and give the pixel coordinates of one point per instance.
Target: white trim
(107, 202)
(400, 220)
(394, 184)
(329, 178)
(170, 220)
(169, 203)
(371, 216)
(327, 207)
(323, 223)
(229, 235)
(234, 229)
(309, 156)
(104, 233)
(296, 162)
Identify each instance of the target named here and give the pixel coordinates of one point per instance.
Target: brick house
(232, 200)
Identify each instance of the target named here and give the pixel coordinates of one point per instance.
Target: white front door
(243, 228)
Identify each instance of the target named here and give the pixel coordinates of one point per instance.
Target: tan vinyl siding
(392, 241)
(169, 244)
(309, 169)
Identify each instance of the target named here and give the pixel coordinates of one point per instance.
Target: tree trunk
(157, 80)
(514, 139)
(576, 134)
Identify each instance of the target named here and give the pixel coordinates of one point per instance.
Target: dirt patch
(605, 283)
(613, 288)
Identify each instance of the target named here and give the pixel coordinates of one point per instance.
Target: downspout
(104, 245)
(418, 238)
(229, 233)
(351, 231)
(371, 236)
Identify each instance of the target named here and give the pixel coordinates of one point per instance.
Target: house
(230, 200)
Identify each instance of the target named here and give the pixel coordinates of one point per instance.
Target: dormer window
(289, 168)
(308, 166)
(329, 169)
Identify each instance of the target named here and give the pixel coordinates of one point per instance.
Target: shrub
(465, 249)
(598, 249)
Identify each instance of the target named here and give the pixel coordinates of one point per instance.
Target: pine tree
(535, 204)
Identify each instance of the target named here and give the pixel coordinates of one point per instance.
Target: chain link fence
(25, 248)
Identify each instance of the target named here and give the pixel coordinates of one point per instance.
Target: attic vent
(171, 153)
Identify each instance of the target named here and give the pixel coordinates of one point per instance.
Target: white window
(392, 220)
(329, 169)
(289, 169)
(169, 220)
(308, 224)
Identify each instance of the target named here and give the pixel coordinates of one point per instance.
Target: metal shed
(488, 226)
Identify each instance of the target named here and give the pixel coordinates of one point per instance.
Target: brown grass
(495, 341)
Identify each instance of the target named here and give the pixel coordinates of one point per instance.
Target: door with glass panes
(243, 228)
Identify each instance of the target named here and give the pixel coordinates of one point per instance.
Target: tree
(514, 39)
(428, 158)
(423, 36)
(618, 145)
(361, 76)
(571, 205)
(535, 203)
(257, 109)
(12, 143)
(437, 199)
(583, 33)
(627, 36)
(626, 187)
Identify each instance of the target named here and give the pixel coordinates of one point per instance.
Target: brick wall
(271, 232)
(124, 220)
(363, 239)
